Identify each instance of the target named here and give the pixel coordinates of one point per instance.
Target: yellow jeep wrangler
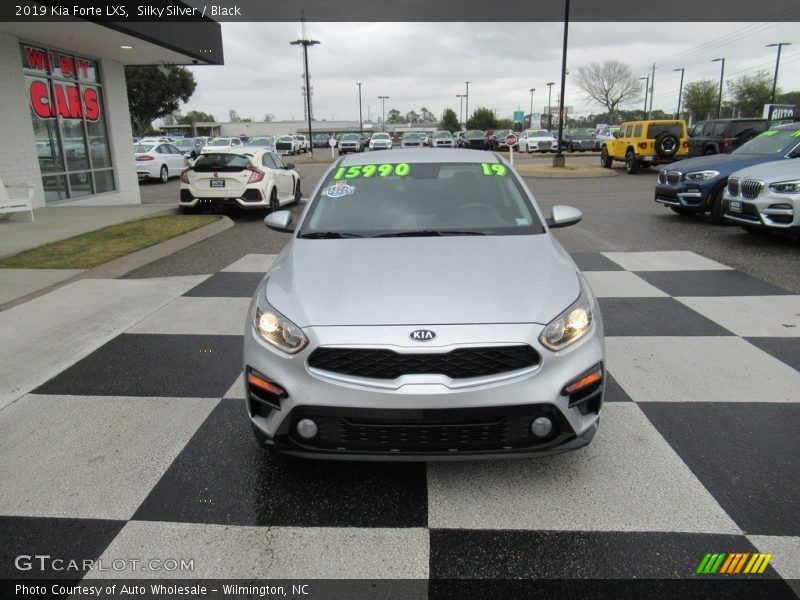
(645, 143)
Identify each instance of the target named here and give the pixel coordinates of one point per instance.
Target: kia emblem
(422, 335)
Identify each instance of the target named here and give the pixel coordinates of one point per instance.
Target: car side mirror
(288, 166)
(190, 162)
(563, 216)
(279, 221)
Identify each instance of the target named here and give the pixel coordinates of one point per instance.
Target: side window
(278, 162)
(173, 149)
(698, 129)
(628, 131)
(719, 129)
(267, 161)
(637, 131)
(708, 128)
(162, 149)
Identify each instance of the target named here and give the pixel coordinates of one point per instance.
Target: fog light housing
(541, 427)
(307, 429)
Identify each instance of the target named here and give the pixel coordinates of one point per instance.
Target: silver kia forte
(422, 310)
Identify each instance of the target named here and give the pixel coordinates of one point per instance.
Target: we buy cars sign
(50, 99)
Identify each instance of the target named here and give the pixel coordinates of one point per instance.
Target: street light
(383, 100)
(721, 75)
(360, 119)
(466, 101)
(460, 110)
(306, 43)
(777, 63)
(646, 87)
(530, 117)
(680, 91)
(549, 113)
(558, 159)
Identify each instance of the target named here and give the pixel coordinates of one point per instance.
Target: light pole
(558, 159)
(549, 112)
(530, 116)
(721, 75)
(383, 100)
(466, 101)
(460, 110)
(360, 119)
(306, 43)
(777, 63)
(680, 91)
(646, 88)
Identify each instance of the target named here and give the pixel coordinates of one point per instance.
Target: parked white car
(264, 142)
(251, 181)
(441, 139)
(765, 197)
(158, 160)
(156, 140)
(287, 144)
(302, 143)
(223, 144)
(537, 140)
(380, 141)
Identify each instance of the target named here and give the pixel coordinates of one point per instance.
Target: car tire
(605, 159)
(189, 210)
(716, 207)
(709, 151)
(631, 163)
(274, 204)
(666, 144)
(297, 193)
(163, 174)
(755, 230)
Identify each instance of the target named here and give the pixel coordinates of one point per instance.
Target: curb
(125, 264)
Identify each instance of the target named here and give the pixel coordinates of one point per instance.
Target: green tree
(233, 116)
(700, 98)
(788, 98)
(483, 118)
(609, 84)
(156, 91)
(394, 116)
(195, 116)
(412, 117)
(426, 116)
(449, 121)
(750, 93)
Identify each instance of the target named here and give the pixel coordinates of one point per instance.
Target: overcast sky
(426, 64)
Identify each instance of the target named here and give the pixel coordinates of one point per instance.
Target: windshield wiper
(330, 235)
(428, 233)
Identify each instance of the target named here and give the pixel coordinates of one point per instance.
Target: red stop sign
(511, 139)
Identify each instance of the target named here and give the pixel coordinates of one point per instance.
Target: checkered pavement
(133, 441)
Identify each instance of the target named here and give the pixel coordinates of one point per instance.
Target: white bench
(9, 205)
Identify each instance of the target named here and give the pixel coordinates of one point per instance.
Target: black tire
(716, 207)
(605, 159)
(163, 174)
(667, 144)
(631, 163)
(755, 230)
(709, 150)
(189, 210)
(684, 212)
(274, 205)
(297, 193)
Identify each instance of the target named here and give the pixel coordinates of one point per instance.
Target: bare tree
(609, 84)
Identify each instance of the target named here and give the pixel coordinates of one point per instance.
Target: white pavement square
(237, 389)
(90, 456)
(785, 552)
(192, 315)
(751, 316)
(621, 284)
(670, 260)
(251, 263)
(699, 369)
(627, 479)
(16, 283)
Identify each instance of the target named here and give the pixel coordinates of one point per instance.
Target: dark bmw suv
(720, 136)
(696, 185)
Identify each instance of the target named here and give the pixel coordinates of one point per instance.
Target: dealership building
(64, 107)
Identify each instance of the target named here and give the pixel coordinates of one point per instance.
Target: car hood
(780, 170)
(724, 163)
(423, 281)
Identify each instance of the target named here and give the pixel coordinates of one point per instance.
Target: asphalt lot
(619, 215)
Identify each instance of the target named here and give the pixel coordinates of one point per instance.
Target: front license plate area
(736, 206)
(217, 183)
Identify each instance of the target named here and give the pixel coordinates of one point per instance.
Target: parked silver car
(765, 197)
(422, 310)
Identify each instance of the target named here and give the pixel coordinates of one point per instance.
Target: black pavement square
(655, 317)
(57, 538)
(786, 350)
(203, 366)
(614, 391)
(515, 554)
(227, 285)
(746, 454)
(710, 283)
(594, 261)
(222, 476)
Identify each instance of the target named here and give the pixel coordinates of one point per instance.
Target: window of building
(69, 123)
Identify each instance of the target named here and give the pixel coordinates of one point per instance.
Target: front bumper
(777, 213)
(687, 196)
(418, 417)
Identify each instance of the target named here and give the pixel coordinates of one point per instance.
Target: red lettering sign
(92, 103)
(67, 65)
(83, 68)
(68, 101)
(40, 100)
(37, 59)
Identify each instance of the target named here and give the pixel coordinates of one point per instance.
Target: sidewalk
(56, 223)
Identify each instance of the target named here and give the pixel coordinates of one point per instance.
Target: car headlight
(786, 187)
(702, 175)
(277, 330)
(572, 324)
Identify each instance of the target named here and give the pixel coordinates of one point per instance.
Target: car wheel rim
(273, 203)
(164, 174)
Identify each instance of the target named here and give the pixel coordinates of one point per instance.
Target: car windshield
(539, 133)
(260, 141)
(380, 136)
(442, 134)
(771, 141)
(420, 199)
(656, 129)
(220, 162)
(474, 133)
(411, 136)
(351, 136)
(218, 142)
(320, 136)
(142, 148)
(185, 143)
(286, 138)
